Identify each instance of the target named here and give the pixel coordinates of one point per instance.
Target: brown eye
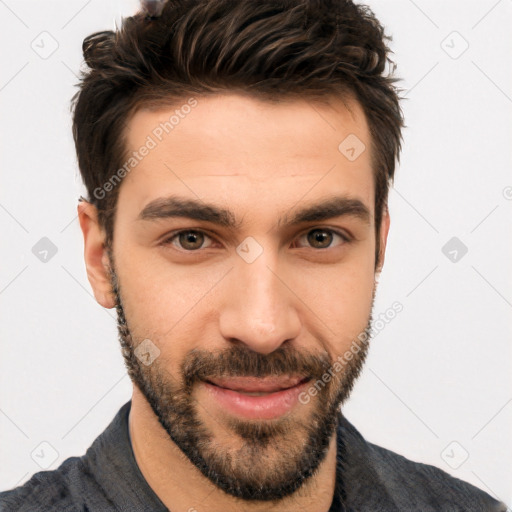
(191, 240)
(323, 238)
(188, 240)
(320, 238)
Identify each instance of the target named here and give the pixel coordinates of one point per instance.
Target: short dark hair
(267, 48)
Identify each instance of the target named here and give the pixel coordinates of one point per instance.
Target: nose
(259, 308)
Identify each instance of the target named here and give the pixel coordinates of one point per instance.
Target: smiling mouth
(256, 398)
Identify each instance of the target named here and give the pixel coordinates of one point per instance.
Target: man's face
(258, 296)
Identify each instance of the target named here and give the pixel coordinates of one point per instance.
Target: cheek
(341, 297)
(163, 300)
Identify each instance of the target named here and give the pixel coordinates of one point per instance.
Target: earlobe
(95, 254)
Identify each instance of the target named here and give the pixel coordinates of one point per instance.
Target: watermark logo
(454, 45)
(249, 250)
(352, 147)
(44, 455)
(454, 249)
(44, 250)
(455, 455)
(147, 352)
(44, 44)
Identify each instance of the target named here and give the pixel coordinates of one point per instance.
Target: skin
(260, 160)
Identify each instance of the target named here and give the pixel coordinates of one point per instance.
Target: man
(237, 157)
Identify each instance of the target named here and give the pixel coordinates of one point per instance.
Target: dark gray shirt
(369, 478)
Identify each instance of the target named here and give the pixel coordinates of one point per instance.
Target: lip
(274, 403)
(255, 384)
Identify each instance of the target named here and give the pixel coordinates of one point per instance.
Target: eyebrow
(332, 207)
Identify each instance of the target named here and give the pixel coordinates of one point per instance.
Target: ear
(384, 229)
(95, 254)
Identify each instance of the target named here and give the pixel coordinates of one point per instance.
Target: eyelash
(174, 235)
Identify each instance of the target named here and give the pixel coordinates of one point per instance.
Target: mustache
(242, 362)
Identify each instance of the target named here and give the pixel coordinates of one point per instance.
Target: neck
(182, 487)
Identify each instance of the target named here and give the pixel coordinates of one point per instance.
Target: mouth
(256, 398)
(254, 386)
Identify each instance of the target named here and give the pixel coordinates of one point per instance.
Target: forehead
(235, 148)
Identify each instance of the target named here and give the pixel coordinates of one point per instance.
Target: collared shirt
(369, 478)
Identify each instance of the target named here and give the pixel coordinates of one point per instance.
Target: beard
(270, 459)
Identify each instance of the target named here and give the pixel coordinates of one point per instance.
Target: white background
(437, 384)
